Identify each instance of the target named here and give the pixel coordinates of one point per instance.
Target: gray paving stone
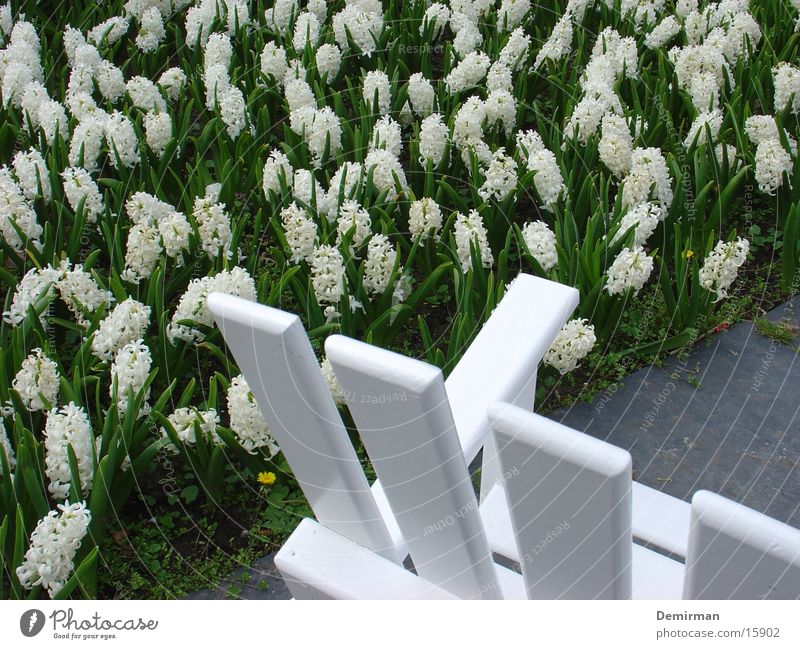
(726, 418)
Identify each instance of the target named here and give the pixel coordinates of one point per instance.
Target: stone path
(724, 418)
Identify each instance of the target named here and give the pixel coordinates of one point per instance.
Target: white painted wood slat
(318, 563)
(401, 410)
(738, 553)
(272, 350)
(569, 497)
(660, 519)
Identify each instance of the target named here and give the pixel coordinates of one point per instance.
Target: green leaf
(20, 543)
(84, 578)
(75, 479)
(3, 534)
(189, 494)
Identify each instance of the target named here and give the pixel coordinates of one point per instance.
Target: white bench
(421, 432)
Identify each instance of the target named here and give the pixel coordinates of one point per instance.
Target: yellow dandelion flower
(266, 478)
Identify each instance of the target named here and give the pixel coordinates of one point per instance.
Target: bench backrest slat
(275, 356)
(569, 496)
(738, 553)
(401, 411)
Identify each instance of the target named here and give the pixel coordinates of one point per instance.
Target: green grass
(784, 331)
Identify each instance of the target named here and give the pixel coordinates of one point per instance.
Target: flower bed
(382, 169)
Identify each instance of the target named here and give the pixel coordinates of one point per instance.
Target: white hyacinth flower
(157, 131)
(541, 242)
(300, 232)
(616, 144)
(376, 83)
(306, 31)
(79, 186)
(54, 544)
(80, 291)
(468, 72)
(559, 44)
(142, 252)
(386, 135)
(214, 225)
(786, 80)
(91, 121)
(364, 27)
(511, 13)
(276, 167)
(308, 193)
(183, 420)
(722, 266)
(378, 267)
(145, 95)
(129, 372)
(126, 323)
(772, 162)
(630, 270)
(327, 274)
(278, 16)
(233, 111)
(468, 39)
(433, 136)
(192, 305)
(172, 81)
(328, 58)
(572, 344)
(34, 285)
(151, 30)
(468, 131)
(662, 33)
(387, 173)
(711, 119)
(247, 422)
(515, 52)
(501, 177)
(273, 61)
(421, 94)
(547, 177)
(37, 381)
(16, 210)
(5, 445)
(649, 178)
(110, 81)
(424, 219)
(468, 231)
(52, 118)
(323, 131)
(353, 217)
(109, 31)
(326, 369)
(499, 77)
(345, 184)
(501, 107)
(644, 217)
(68, 426)
(33, 176)
(437, 15)
(760, 128)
